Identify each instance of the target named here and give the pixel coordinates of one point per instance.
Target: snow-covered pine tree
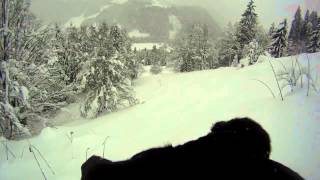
(304, 29)
(134, 65)
(247, 28)
(69, 55)
(107, 79)
(194, 48)
(272, 29)
(154, 55)
(314, 19)
(314, 45)
(295, 45)
(279, 40)
(271, 32)
(308, 37)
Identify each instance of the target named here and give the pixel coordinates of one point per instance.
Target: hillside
(176, 108)
(145, 20)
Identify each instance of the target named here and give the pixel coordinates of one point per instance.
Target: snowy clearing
(148, 46)
(176, 108)
(137, 34)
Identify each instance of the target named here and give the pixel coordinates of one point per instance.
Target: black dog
(238, 149)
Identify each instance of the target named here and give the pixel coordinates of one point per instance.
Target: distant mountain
(145, 20)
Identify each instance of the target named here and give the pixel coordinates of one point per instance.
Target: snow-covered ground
(176, 108)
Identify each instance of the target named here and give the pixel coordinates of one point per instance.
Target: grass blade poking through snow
(275, 75)
(47, 163)
(266, 85)
(300, 70)
(38, 163)
(70, 137)
(32, 149)
(104, 145)
(8, 150)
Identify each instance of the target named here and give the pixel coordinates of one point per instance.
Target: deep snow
(176, 108)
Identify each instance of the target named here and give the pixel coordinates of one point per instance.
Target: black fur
(238, 149)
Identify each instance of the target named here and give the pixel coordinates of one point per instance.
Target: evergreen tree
(308, 39)
(304, 33)
(194, 49)
(247, 28)
(314, 45)
(154, 55)
(305, 24)
(295, 44)
(314, 19)
(279, 38)
(107, 79)
(272, 29)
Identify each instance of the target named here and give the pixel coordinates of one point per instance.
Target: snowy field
(176, 108)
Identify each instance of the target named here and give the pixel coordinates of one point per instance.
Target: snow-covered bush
(296, 76)
(291, 76)
(107, 86)
(134, 66)
(253, 52)
(44, 90)
(235, 61)
(105, 77)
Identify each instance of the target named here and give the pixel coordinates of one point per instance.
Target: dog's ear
(218, 126)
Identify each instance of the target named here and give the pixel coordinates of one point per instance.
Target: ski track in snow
(179, 107)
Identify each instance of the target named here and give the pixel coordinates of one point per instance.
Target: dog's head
(242, 137)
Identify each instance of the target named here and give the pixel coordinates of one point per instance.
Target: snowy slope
(77, 21)
(177, 108)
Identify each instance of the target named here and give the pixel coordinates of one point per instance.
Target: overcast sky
(223, 11)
